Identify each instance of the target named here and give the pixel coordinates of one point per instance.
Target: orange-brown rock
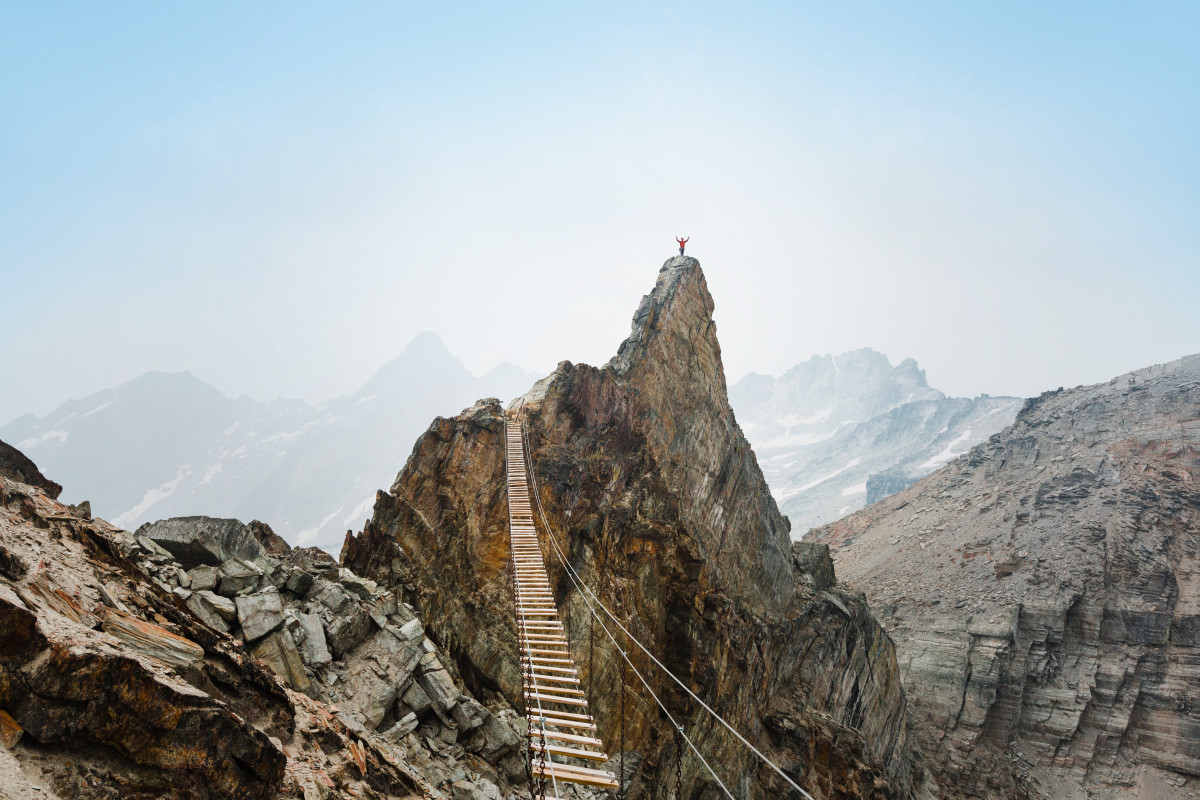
(658, 501)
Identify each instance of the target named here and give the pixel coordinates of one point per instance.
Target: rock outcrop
(1043, 591)
(125, 674)
(16, 466)
(658, 501)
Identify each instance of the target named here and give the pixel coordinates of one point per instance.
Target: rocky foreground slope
(658, 500)
(1043, 592)
(203, 658)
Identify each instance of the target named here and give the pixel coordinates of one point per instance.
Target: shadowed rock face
(657, 499)
(1043, 591)
(16, 465)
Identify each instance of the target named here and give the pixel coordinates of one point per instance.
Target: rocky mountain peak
(658, 502)
(679, 307)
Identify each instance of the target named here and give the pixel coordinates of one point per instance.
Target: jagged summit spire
(679, 305)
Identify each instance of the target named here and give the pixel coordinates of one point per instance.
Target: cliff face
(1043, 591)
(658, 501)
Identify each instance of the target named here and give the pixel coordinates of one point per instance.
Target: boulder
(259, 613)
(345, 632)
(203, 578)
(313, 649)
(468, 713)
(436, 682)
(205, 610)
(406, 725)
(271, 542)
(413, 630)
(222, 605)
(298, 582)
(203, 540)
(15, 465)
(330, 595)
(238, 577)
(416, 699)
(279, 652)
(494, 739)
(362, 587)
(481, 789)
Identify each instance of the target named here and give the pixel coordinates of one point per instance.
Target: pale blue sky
(280, 197)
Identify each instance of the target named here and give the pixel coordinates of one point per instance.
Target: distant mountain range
(836, 433)
(169, 444)
(832, 434)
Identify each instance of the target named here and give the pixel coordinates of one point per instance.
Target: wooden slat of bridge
(547, 669)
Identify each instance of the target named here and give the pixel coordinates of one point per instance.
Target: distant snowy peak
(169, 444)
(834, 432)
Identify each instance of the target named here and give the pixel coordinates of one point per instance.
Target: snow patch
(949, 452)
(304, 537)
(365, 399)
(151, 497)
(359, 510)
(212, 472)
(289, 435)
(800, 439)
(793, 492)
(45, 437)
(858, 488)
(230, 430)
(99, 408)
(791, 419)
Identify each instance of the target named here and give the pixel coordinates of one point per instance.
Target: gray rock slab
(416, 699)
(362, 587)
(203, 578)
(436, 682)
(298, 582)
(238, 577)
(313, 649)
(406, 725)
(413, 630)
(203, 540)
(260, 613)
(279, 652)
(348, 630)
(222, 605)
(204, 610)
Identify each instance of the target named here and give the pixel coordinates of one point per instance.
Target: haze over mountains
(166, 445)
(836, 433)
(833, 434)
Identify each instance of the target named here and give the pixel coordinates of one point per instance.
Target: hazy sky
(279, 196)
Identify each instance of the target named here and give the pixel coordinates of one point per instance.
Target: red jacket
(682, 242)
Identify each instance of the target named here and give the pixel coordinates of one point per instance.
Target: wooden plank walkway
(553, 701)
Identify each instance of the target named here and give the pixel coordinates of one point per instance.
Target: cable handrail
(584, 589)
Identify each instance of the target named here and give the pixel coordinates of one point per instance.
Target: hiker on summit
(682, 242)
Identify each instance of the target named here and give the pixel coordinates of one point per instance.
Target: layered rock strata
(659, 503)
(1043, 591)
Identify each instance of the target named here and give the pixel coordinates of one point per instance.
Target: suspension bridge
(563, 743)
